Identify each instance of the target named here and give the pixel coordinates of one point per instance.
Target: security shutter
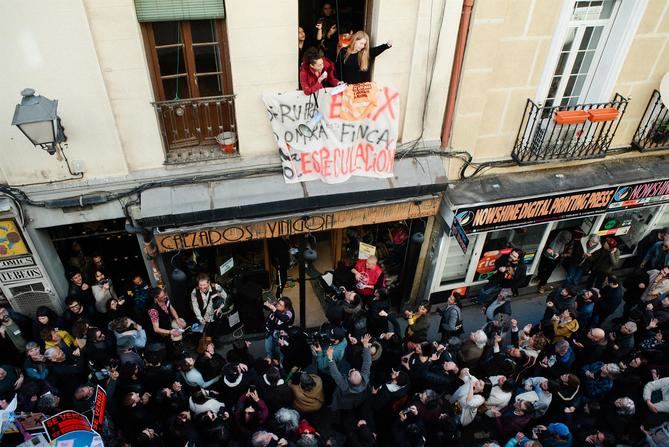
(174, 10)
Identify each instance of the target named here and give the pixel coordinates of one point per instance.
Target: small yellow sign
(11, 241)
(366, 250)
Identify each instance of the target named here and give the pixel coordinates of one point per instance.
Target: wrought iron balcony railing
(198, 128)
(576, 132)
(653, 131)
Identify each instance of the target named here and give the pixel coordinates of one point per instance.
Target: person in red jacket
(316, 70)
(368, 274)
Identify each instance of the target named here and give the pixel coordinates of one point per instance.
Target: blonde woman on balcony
(354, 62)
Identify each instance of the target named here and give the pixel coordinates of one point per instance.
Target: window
(189, 59)
(588, 28)
(191, 78)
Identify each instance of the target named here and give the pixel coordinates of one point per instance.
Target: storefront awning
(505, 187)
(270, 195)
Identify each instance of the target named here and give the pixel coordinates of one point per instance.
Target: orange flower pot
(601, 115)
(567, 117)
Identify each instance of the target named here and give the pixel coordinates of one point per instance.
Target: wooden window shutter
(175, 10)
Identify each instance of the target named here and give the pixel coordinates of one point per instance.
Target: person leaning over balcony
(316, 70)
(353, 63)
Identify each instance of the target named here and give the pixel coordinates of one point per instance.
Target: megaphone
(307, 129)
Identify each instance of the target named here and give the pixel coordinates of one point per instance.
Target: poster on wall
(11, 241)
(336, 133)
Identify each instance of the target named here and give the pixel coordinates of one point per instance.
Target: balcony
(190, 128)
(576, 132)
(653, 131)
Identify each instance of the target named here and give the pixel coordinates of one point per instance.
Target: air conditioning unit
(27, 298)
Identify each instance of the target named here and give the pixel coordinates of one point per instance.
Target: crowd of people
(334, 53)
(590, 371)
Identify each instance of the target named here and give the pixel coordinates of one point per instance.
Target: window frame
(189, 58)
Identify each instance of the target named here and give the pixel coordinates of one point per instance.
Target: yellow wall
(505, 58)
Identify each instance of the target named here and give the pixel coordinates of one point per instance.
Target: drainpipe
(456, 73)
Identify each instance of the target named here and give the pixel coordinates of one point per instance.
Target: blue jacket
(656, 257)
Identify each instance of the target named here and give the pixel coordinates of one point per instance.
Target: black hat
(337, 333)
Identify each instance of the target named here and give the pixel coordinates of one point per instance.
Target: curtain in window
(174, 10)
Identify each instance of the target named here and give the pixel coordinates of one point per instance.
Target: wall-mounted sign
(535, 210)
(476, 219)
(343, 132)
(11, 241)
(459, 234)
(641, 194)
(20, 274)
(16, 262)
(173, 240)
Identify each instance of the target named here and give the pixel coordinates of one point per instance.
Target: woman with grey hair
(285, 422)
(472, 349)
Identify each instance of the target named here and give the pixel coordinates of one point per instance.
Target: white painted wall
(48, 47)
(89, 54)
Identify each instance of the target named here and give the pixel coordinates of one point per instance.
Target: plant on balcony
(659, 134)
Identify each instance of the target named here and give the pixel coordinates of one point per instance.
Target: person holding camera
(351, 392)
(280, 318)
(418, 322)
(103, 291)
(337, 341)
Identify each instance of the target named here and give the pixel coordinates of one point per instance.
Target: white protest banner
(357, 135)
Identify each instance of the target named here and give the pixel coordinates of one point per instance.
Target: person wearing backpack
(451, 319)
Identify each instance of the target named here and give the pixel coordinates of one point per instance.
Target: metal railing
(653, 131)
(193, 122)
(541, 139)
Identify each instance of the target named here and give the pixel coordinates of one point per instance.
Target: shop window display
(628, 226)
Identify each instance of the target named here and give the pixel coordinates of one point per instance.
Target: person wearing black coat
(274, 391)
(377, 313)
(611, 295)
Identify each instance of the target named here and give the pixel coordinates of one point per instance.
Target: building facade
(171, 161)
(560, 109)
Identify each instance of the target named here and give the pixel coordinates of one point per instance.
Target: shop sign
(11, 241)
(459, 234)
(529, 211)
(16, 262)
(641, 194)
(340, 133)
(21, 274)
(496, 216)
(206, 237)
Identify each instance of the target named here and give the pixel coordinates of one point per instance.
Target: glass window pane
(498, 242)
(569, 39)
(457, 262)
(561, 63)
(569, 90)
(166, 33)
(576, 68)
(203, 31)
(578, 86)
(596, 35)
(607, 9)
(627, 226)
(171, 61)
(206, 59)
(586, 38)
(587, 60)
(176, 88)
(210, 85)
(555, 82)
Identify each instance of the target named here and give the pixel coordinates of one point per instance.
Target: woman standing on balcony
(353, 63)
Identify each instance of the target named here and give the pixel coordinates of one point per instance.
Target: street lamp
(36, 117)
